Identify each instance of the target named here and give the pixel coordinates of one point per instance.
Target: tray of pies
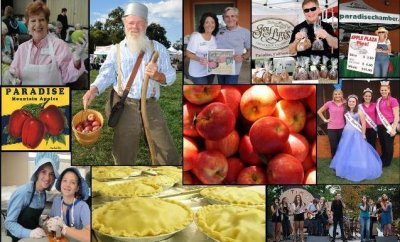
(233, 195)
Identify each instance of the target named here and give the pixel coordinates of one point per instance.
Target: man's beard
(136, 44)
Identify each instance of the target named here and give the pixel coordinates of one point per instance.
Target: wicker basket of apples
(87, 125)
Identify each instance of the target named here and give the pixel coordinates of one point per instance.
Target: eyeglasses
(306, 10)
(381, 32)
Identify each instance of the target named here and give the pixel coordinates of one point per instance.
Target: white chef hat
(137, 9)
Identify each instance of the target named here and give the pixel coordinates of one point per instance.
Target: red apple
(247, 152)
(310, 177)
(235, 165)
(308, 163)
(268, 135)
(275, 88)
(310, 129)
(227, 145)
(252, 175)
(201, 94)
(285, 169)
(231, 97)
(190, 152)
(294, 92)
(257, 102)
(210, 167)
(242, 88)
(292, 113)
(187, 178)
(53, 119)
(215, 121)
(190, 111)
(297, 146)
(314, 152)
(16, 122)
(311, 100)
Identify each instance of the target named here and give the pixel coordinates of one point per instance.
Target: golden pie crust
(161, 180)
(102, 173)
(141, 217)
(234, 195)
(131, 189)
(231, 223)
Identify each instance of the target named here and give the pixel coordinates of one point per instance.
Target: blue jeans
(381, 65)
(364, 227)
(202, 80)
(228, 79)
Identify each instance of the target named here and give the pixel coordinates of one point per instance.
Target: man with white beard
(129, 129)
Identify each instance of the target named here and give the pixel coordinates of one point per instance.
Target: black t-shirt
(337, 209)
(310, 32)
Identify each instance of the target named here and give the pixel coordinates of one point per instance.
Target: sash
(353, 122)
(382, 118)
(368, 118)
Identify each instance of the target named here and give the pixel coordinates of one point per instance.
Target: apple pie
(141, 217)
(132, 189)
(164, 181)
(233, 195)
(231, 223)
(104, 173)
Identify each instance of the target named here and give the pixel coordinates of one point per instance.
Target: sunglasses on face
(306, 10)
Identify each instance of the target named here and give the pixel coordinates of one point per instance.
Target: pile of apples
(249, 134)
(92, 123)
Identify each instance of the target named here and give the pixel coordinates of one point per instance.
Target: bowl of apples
(87, 125)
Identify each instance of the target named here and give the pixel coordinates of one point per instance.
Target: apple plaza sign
(271, 33)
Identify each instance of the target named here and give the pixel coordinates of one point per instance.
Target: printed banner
(362, 51)
(271, 35)
(35, 118)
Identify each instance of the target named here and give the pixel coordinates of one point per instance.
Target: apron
(29, 217)
(40, 75)
(382, 56)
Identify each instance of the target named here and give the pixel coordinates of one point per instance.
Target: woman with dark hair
(28, 201)
(69, 213)
(276, 220)
(286, 227)
(199, 44)
(355, 159)
(298, 210)
(368, 108)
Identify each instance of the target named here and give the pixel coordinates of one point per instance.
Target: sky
(167, 13)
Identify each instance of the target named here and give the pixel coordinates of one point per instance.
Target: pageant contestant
(387, 108)
(368, 108)
(335, 121)
(355, 159)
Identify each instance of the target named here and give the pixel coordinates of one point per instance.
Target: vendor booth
(359, 17)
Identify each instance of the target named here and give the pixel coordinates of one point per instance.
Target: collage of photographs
(200, 120)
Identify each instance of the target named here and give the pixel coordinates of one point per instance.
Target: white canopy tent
(359, 16)
(102, 50)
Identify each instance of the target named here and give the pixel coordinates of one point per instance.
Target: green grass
(326, 175)
(100, 152)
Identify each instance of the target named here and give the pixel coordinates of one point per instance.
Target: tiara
(367, 90)
(339, 85)
(385, 83)
(352, 96)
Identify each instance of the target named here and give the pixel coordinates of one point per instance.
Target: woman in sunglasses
(382, 53)
(311, 12)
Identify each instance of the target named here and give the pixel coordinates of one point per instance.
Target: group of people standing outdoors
(353, 127)
(320, 216)
(210, 37)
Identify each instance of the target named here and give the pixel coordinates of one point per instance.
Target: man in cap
(124, 55)
(27, 201)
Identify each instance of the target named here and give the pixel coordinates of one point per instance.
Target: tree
(114, 25)
(157, 32)
(178, 45)
(98, 38)
(98, 25)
